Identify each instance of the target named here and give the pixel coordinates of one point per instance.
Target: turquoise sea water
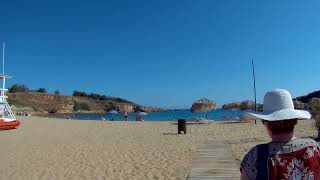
(217, 114)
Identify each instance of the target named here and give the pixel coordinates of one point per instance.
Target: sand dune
(45, 148)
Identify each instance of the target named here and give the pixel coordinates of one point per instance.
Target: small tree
(94, 96)
(103, 98)
(41, 90)
(79, 93)
(18, 88)
(85, 106)
(81, 106)
(52, 111)
(57, 92)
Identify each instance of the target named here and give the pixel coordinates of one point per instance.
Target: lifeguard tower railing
(5, 111)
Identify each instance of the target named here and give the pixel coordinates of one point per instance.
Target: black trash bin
(182, 126)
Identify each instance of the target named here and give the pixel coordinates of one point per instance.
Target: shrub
(81, 106)
(103, 98)
(52, 111)
(315, 106)
(100, 97)
(85, 106)
(41, 90)
(80, 94)
(94, 96)
(56, 92)
(18, 88)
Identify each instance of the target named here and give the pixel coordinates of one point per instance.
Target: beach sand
(43, 148)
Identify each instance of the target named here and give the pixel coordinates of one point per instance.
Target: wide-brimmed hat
(277, 106)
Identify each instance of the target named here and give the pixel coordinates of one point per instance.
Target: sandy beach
(43, 148)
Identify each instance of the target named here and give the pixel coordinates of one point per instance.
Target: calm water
(217, 114)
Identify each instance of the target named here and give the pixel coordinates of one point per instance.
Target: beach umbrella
(113, 112)
(203, 105)
(139, 116)
(142, 114)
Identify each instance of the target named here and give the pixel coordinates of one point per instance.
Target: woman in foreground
(285, 157)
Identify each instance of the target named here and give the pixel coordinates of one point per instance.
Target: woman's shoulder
(248, 163)
(252, 153)
(293, 145)
(304, 142)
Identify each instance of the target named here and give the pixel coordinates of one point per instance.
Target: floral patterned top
(296, 159)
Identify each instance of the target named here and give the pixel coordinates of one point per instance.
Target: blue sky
(163, 53)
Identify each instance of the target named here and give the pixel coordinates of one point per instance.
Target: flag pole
(3, 49)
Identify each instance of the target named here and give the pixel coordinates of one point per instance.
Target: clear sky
(165, 53)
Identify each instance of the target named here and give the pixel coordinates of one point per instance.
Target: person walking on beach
(125, 116)
(138, 116)
(285, 157)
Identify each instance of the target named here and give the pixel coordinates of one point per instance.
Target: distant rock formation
(51, 103)
(247, 105)
(244, 105)
(233, 105)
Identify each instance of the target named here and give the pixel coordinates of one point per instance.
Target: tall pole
(3, 81)
(254, 89)
(4, 47)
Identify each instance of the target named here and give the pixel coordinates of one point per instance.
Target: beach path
(214, 161)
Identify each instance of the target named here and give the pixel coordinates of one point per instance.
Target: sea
(217, 115)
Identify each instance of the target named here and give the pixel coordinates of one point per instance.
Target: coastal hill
(309, 97)
(310, 101)
(42, 102)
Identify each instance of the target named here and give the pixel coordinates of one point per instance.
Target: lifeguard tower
(7, 119)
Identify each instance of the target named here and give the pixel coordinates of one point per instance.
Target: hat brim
(284, 114)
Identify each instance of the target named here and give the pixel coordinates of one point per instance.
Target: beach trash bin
(182, 126)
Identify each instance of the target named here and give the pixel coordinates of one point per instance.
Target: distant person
(67, 116)
(138, 116)
(285, 157)
(126, 116)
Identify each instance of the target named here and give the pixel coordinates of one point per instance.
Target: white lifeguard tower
(7, 119)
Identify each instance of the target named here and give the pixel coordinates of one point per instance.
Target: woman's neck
(282, 137)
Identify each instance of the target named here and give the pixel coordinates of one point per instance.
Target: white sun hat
(277, 106)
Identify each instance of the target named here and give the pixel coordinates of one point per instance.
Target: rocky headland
(53, 103)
